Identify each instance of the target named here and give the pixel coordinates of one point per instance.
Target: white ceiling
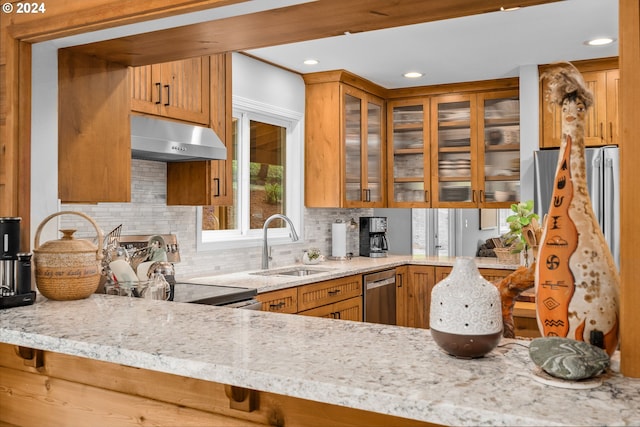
(479, 47)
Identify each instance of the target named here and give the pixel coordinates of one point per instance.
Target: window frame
(245, 110)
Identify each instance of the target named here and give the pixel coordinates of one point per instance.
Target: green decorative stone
(567, 358)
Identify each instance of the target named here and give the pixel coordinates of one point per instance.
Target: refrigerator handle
(611, 214)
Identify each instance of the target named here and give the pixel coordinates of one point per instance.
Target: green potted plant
(522, 217)
(311, 256)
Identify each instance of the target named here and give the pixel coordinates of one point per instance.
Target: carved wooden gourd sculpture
(577, 283)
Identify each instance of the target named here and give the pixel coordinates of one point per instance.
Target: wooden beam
(323, 18)
(64, 18)
(630, 203)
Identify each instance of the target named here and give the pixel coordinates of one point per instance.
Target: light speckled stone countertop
(380, 368)
(334, 270)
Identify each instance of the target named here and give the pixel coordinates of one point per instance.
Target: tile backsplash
(147, 213)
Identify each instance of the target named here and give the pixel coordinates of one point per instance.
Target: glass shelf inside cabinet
(454, 127)
(408, 127)
(409, 192)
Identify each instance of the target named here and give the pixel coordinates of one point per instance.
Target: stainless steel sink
(293, 271)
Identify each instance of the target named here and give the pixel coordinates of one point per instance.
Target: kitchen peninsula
(134, 361)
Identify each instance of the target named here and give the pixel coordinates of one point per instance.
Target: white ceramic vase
(465, 313)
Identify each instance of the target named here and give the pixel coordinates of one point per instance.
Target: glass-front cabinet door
(453, 144)
(499, 133)
(363, 145)
(408, 154)
(476, 146)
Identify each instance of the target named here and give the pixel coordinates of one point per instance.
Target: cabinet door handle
(601, 131)
(473, 196)
(481, 196)
(399, 280)
(166, 104)
(610, 131)
(159, 89)
(217, 182)
(333, 292)
(426, 196)
(277, 306)
(336, 315)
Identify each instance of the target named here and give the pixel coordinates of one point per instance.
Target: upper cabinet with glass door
(476, 146)
(344, 142)
(455, 158)
(499, 148)
(363, 122)
(408, 153)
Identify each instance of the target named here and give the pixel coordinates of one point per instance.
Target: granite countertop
(380, 368)
(334, 269)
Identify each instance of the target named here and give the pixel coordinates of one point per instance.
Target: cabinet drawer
(330, 291)
(282, 301)
(350, 309)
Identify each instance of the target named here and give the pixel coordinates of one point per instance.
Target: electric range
(213, 294)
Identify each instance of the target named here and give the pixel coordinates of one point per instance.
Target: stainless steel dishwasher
(380, 297)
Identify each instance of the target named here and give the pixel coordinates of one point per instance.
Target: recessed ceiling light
(413, 75)
(602, 41)
(311, 61)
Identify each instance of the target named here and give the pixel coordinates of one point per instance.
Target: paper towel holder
(347, 255)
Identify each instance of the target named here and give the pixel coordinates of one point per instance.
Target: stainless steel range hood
(167, 141)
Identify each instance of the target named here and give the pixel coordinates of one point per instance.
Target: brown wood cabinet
(94, 150)
(337, 299)
(413, 299)
(280, 301)
(349, 309)
(208, 183)
(176, 89)
(93, 168)
(601, 128)
(454, 145)
(408, 153)
(344, 142)
(475, 149)
(524, 320)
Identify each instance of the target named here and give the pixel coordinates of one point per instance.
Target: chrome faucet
(265, 247)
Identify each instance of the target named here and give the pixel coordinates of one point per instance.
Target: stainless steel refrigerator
(603, 180)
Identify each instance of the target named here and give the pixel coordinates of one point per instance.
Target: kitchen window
(267, 179)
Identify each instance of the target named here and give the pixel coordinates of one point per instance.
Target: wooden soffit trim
(63, 18)
(308, 21)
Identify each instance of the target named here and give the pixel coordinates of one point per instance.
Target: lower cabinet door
(282, 301)
(349, 309)
(421, 279)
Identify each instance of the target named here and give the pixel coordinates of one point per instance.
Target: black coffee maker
(373, 236)
(15, 266)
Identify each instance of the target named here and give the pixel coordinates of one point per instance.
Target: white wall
(44, 137)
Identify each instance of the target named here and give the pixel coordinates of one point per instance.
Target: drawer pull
(333, 292)
(277, 306)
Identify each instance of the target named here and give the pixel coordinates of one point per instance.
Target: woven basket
(67, 269)
(505, 256)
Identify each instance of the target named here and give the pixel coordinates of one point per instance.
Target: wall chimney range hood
(168, 141)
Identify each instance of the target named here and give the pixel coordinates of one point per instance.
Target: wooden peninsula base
(40, 388)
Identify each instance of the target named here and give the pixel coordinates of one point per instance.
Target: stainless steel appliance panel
(603, 181)
(380, 297)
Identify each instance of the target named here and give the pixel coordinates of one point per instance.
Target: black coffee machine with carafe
(15, 266)
(373, 236)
